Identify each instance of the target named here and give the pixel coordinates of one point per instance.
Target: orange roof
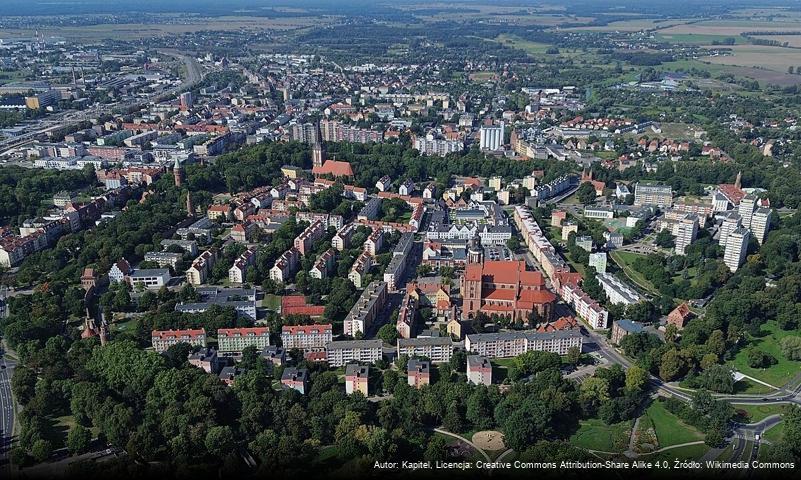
(731, 192)
(502, 294)
(537, 296)
(335, 168)
(294, 329)
(230, 332)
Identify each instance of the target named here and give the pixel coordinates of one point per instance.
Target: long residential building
(586, 308)
(366, 308)
(306, 337)
(285, 266)
(237, 339)
(314, 232)
(514, 343)
(436, 349)
(343, 352)
(164, 339)
(618, 291)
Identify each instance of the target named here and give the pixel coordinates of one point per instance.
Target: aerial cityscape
(346, 238)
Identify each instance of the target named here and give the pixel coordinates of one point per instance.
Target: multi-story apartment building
(357, 379)
(374, 242)
(366, 308)
(361, 266)
(362, 351)
(201, 267)
(653, 194)
(164, 259)
(760, 223)
(314, 232)
(324, 264)
(285, 266)
(418, 372)
(618, 291)
(164, 339)
(237, 339)
(239, 270)
(437, 349)
(585, 306)
(746, 209)
(479, 370)
(685, 231)
(296, 379)
(341, 240)
(306, 337)
(512, 344)
(736, 248)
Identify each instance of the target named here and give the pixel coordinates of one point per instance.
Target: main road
(6, 412)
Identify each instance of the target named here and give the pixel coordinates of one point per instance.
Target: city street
(6, 411)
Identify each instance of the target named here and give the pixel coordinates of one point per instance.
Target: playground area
(488, 440)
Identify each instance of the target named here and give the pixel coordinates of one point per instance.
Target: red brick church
(505, 288)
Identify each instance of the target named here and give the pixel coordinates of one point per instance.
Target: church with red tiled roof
(505, 288)
(335, 168)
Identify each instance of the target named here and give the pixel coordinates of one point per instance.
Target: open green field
(776, 433)
(776, 375)
(670, 430)
(525, 45)
(594, 434)
(273, 302)
(134, 31)
(755, 413)
(762, 75)
(697, 38)
(624, 260)
(687, 452)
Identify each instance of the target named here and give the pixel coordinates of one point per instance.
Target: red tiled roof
(178, 333)
(230, 332)
(335, 168)
(295, 329)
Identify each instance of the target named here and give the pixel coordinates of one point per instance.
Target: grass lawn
(272, 302)
(594, 434)
(127, 325)
(747, 386)
(624, 260)
(687, 452)
(755, 413)
(775, 434)
(776, 375)
(670, 430)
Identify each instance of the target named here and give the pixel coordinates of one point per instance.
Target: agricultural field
(635, 25)
(730, 28)
(527, 46)
(134, 31)
(757, 56)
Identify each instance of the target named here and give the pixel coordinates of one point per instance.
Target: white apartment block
(237, 339)
(617, 290)
(437, 349)
(736, 248)
(361, 351)
(306, 337)
(514, 343)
